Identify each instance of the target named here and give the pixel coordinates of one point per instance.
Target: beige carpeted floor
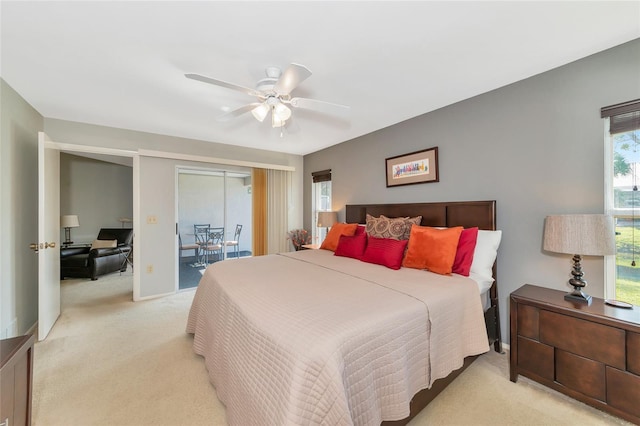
(110, 361)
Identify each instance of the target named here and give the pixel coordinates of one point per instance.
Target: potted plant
(299, 237)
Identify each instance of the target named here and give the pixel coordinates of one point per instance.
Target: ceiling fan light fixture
(273, 95)
(276, 121)
(282, 111)
(260, 112)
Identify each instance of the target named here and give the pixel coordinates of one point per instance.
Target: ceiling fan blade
(290, 78)
(321, 106)
(237, 112)
(221, 83)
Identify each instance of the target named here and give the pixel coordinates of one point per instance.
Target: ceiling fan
(273, 95)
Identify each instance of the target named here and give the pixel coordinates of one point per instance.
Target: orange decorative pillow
(432, 249)
(333, 237)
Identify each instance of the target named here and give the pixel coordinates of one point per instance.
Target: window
(622, 170)
(321, 202)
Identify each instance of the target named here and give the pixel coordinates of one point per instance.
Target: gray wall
(536, 147)
(98, 192)
(19, 128)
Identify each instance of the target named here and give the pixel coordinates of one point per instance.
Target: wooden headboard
(456, 213)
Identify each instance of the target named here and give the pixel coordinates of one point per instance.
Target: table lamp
(579, 234)
(327, 219)
(67, 222)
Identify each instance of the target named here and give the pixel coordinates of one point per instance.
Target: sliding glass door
(214, 220)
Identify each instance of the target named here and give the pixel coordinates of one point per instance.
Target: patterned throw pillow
(397, 228)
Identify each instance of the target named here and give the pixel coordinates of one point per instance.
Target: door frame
(73, 148)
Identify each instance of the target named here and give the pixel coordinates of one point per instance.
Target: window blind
(622, 117)
(321, 176)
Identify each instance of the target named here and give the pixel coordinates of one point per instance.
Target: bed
(312, 338)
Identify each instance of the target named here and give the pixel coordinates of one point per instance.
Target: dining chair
(194, 247)
(201, 233)
(235, 243)
(215, 243)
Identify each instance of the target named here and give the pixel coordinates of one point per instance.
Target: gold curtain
(259, 201)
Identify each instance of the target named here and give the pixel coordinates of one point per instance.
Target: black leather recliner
(84, 262)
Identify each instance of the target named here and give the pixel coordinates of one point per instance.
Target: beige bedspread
(311, 338)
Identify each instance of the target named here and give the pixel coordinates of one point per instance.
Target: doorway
(49, 223)
(213, 220)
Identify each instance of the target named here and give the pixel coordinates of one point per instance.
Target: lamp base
(578, 295)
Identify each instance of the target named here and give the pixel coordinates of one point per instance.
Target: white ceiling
(122, 64)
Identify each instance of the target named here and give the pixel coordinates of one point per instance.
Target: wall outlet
(152, 220)
(149, 269)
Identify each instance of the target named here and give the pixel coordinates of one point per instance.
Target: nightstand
(588, 352)
(16, 380)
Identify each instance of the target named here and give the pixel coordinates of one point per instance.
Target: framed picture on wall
(412, 168)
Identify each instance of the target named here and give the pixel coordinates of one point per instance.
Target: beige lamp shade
(582, 234)
(327, 219)
(69, 221)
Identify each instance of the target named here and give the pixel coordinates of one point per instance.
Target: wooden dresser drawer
(590, 352)
(623, 391)
(588, 339)
(581, 374)
(528, 321)
(633, 352)
(535, 357)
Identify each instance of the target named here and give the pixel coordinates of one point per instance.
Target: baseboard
(155, 296)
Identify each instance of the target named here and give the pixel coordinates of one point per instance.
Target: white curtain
(278, 196)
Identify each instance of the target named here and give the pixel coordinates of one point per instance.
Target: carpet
(110, 361)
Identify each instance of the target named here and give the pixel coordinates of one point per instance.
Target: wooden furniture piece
(588, 352)
(16, 380)
(310, 247)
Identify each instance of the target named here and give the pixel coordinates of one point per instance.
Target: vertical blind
(623, 117)
(278, 187)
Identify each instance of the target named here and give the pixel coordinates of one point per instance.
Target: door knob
(50, 245)
(34, 247)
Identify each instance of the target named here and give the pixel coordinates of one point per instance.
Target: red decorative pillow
(361, 230)
(466, 248)
(352, 246)
(432, 249)
(384, 251)
(338, 229)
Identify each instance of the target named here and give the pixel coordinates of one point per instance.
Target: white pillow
(485, 253)
(104, 244)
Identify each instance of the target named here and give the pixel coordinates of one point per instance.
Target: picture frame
(413, 168)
